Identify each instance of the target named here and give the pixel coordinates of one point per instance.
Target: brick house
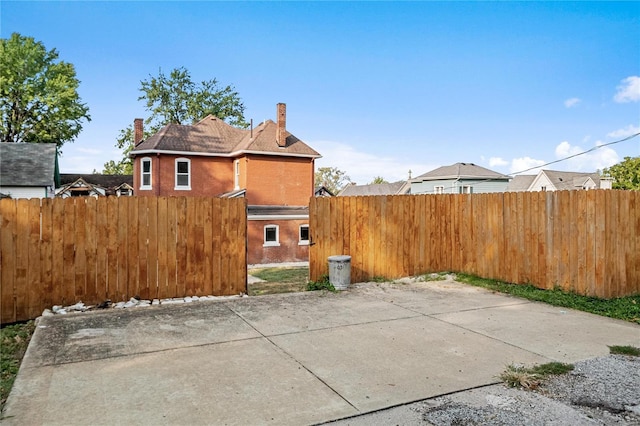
(270, 167)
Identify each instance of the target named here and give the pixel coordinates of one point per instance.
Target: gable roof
(520, 183)
(394, 188)
(570, 180)
(212, 136)
(104, 181)
(460, 171)
(27, 164)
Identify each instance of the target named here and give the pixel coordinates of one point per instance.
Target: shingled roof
(104, 181)
(460, 171)
(393, 188)
(212, 136)
(27, 164)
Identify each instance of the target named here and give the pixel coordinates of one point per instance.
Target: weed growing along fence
(61, 251)
(587, 242)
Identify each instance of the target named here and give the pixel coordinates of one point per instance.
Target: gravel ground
(599, 391)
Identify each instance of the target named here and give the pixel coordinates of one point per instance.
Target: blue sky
(378, 88)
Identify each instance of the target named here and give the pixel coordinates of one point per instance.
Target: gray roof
(373, 189)
(254, 210)
(560, 180)
(104, 181)
(27, 164)
(213, 136)
(570, 180)
(520, 183)
(460, 171)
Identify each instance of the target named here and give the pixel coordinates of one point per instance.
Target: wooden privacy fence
(586, 242)
(61, 251)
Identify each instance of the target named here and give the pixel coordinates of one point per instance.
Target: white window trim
(438, 189)
(302, 242)
(275, 243)
(236, 167)
(466, 189)
(142, 161)
(175, 165)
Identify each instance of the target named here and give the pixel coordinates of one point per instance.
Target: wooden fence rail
(61, 251)
(586, 242)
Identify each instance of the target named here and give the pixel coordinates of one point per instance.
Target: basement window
(439, 189)
(271, 236)
(304, 235)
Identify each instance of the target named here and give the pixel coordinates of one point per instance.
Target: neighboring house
(268, 165)
(95, 185)
(28, 170)
(460, 178)
(395, 188)
(322, 191)
(552, 180)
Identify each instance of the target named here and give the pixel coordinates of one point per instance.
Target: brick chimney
(138, 131)
(281, 130)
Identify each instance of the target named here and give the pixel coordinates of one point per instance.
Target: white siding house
(459, 178)
(27, 170)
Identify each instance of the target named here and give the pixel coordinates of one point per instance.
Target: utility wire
(475, 182)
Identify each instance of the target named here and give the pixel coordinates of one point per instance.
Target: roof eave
(233, 154)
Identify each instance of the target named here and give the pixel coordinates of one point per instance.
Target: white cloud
(591, 161)
(497, 161)
(629, 90)
(624, 132)
(526, 165)
(90, 151)
(362, 167)
(571, 102)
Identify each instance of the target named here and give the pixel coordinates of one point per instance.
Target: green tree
(39, 99)
(378, 180)
(177, 99)
(332, 178)
(626, 174)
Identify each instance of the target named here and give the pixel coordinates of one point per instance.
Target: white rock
(56, 308)
(131, 304)
(142, 305)
(47, 313)
(119, 305)
(188, 299)
(77, 307)
(61, 311)
(155, 302)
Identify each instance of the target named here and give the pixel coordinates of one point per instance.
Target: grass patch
(624, 308)
(278, 280)
(516, 376)
(14, 340)
(436, 276)
(323, 284)
(624, 350)
(379, 279)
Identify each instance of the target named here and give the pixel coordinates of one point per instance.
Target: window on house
(237, 174)
(124, 192)
(271, 235)
(183, 173)
(145, 173)
(543, 188)
(438, 189)
(304, 235)
(466, 189)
